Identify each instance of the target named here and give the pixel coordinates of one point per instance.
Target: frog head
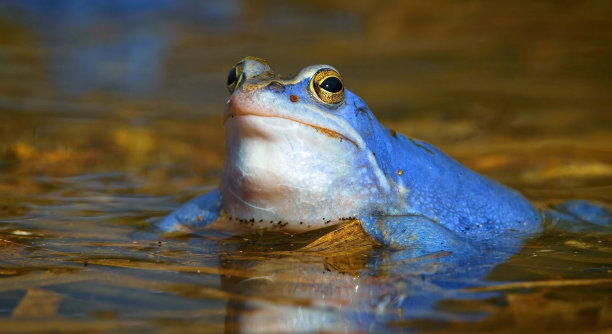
(298, 149)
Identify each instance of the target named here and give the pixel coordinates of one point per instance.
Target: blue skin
(293, 160)
(298, 159)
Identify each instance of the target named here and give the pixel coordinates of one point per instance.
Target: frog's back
(437, 187)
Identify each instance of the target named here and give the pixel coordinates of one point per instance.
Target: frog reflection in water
(303, 152)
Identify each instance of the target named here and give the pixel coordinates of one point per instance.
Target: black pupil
(332, 85)
(231, 76)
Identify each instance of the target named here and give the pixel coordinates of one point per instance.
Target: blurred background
(508, 88)
(110, 114)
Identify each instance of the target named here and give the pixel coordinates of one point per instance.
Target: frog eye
(327, 85)
(234, 77)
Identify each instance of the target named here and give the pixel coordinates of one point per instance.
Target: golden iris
(234, 77)
(328, 86)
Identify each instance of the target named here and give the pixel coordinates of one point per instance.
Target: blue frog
(303, 152)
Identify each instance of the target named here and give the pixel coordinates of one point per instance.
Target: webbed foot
(579, 216)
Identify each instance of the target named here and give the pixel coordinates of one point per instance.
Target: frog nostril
(276, 87)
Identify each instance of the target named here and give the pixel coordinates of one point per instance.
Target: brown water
(111, 114)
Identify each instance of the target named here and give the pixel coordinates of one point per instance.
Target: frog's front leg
(416, 232)
(197, 213)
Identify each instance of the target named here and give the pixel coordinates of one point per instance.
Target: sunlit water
(110, 115)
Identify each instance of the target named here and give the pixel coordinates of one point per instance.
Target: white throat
(280, 173)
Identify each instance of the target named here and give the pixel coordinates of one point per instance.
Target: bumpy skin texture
(296, 163)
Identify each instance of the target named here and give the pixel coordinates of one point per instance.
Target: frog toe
(197, 213)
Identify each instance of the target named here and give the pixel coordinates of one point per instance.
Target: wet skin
(304, 152)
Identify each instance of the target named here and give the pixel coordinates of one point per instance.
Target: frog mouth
(237, 112)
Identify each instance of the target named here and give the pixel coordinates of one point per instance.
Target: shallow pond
(110, 115)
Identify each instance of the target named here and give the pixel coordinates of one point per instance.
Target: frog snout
(276, 87)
